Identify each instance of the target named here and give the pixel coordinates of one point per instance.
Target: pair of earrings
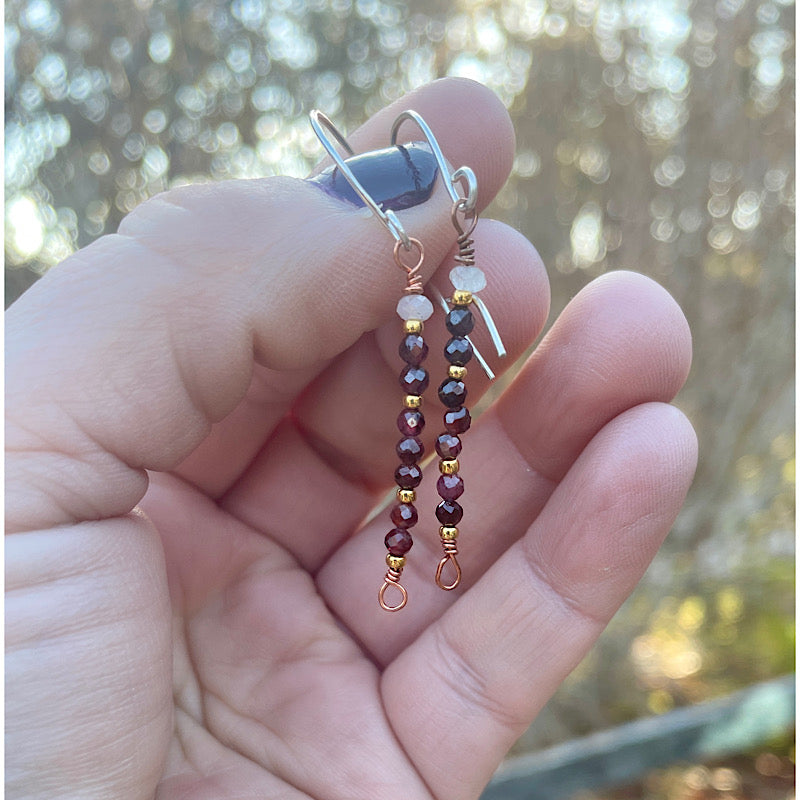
(414, 308)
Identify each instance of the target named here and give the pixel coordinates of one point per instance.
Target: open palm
(200, 422)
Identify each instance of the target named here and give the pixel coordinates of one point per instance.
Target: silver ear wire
(450, 180)
(320, 122)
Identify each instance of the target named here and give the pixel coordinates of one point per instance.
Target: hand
(201, 416)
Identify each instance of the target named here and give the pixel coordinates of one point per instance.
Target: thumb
(121, 358)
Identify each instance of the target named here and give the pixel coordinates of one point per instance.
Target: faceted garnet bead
(408, 476)
(448, 512)
(414, 380)
(413, 349)
(398, 542)
(410, 422)
(452, 393)
(410, 450)
(450, 487)
(448, 446)
(457, 420)
(458, 351)
(459, 321)
(404, 515)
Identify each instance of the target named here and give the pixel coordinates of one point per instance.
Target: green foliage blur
(762, 776)
(655, 135)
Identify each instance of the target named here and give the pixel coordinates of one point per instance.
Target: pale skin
(200, 417)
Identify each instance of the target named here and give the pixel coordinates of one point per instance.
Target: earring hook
(468, 206)
(320, 122)
(470, 201)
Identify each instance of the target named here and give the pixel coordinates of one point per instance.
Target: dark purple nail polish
(396, 177)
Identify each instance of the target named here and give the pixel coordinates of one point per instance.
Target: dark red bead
(457, 420)
(414, 380)
(410, 423)
(410, 450)
(459, 321)
(450, 487)
(408, 476)
(448, 446)
(404, 515)
(448, 512)
(453, 393)
(413, 349)
(398, 542)
(458, 351)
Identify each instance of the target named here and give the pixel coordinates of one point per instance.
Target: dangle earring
(467, 280)
(413, 308)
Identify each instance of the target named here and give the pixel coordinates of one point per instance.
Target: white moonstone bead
(468, 279)
(414, 306)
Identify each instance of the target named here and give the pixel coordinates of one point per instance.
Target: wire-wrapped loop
(414, 279)
(392, 578)
(466, 244)
(450, 549)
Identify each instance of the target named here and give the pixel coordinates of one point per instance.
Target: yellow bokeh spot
(692, 613)
(749, 469)
(660, 701)
(730, 604)
(746, 267)
(682, 663)
(782, 446)
(788, 472)
(715, 266)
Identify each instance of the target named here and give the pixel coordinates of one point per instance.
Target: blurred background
(656, 135)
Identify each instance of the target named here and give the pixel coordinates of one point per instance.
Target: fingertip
(469, 121)
(656, 311)
(650, 456)
(630, 321)
(659, 441)
(684, 440)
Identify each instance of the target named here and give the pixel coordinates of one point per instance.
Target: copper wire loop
(466, 250)
(466, 244)
(392, 578)
(470, 218)
(450, 549)
(413, 278)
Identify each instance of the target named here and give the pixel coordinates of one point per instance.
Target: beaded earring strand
(467, 280)
(413, 308)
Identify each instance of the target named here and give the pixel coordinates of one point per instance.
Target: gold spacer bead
(448, 466)
(448, 533)
(413, 326)
(459, 373)
(412, 401)
(406, 495)
(462, 297)
(395, 562)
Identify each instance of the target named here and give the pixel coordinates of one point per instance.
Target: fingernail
(396, 177)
